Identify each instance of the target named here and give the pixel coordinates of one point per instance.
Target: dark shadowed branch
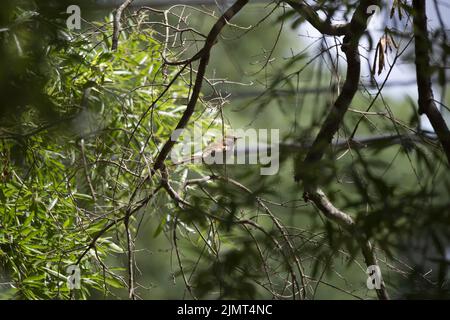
(353, 32)
(427, 103)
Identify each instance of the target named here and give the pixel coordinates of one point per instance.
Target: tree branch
(353, 33)
(320, 200)
(209, 43)
(342, 103)
(427, 105)
(307, 12)
(116, 25)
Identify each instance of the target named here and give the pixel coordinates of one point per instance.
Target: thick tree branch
(342, 103)
(427, 105)
(353, 33)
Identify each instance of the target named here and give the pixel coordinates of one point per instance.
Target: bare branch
(353, 33)
(116, 25)
(320, 200)
(427, 103)
(306, 11)
(209, 43)
(342, 103)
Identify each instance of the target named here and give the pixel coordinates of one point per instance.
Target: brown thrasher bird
(223, 146)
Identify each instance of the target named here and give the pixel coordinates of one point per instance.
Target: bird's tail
(189, 159)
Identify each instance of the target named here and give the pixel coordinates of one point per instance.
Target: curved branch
(320, 200)
(116, 25)
(353, 33)
(205, 52)
(427, 105)
(312, 17)
(333, 121)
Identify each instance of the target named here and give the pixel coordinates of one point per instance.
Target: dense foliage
(85, 180)
(73, 152)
